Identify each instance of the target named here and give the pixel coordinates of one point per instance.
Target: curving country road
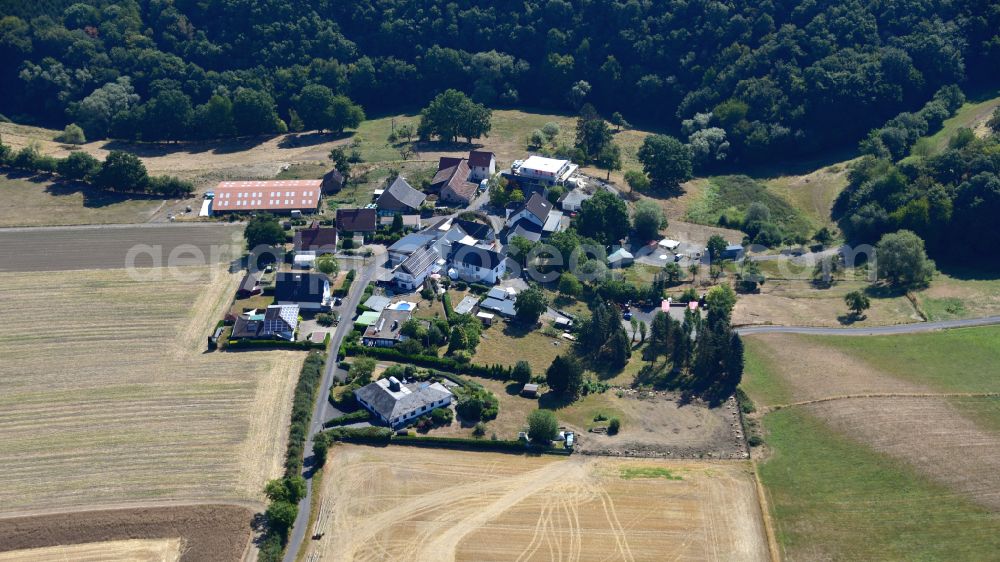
(914, 328)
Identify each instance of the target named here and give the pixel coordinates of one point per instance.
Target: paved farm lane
(114, 246)
(366, 272)
(872, 331)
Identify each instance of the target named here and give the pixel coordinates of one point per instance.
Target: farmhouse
(276, 322)
(451, 182)
(311, 291)
(396, 403)
(316, 239)
(385, 332)
(273, 196)
(400, 197)
(357, 220)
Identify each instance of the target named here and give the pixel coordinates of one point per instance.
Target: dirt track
(213, 533)
(399, 503)
(109, 247)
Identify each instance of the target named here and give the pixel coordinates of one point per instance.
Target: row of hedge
(346, 288)
(278, 344)
(347, 419)
(384, 436)
(497, 372)
(281, 513)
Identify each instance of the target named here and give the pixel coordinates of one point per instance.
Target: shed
(466, 305)
(304, 260)
(621, 257)
(668, 244)
(486, 318)
(530, 390)
(733, 252)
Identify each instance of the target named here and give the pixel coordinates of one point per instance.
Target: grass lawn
(255, 301)
(961, 294)
(506, 344)
(760, 378)
(985, 411)
(832, 498)
(582, 412)
(429, 309)
(731, 196)
(304, 171)
(963, 360)
(37, 202)
(972, 115)
(812, 194)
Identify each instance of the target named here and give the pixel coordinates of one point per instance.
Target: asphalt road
(872, 331)
(366, 272)
(118, 246)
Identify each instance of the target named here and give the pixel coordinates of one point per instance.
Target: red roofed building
(276, 196)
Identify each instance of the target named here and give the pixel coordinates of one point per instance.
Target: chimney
(394, 384)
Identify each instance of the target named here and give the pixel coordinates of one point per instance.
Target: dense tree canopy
(773, 77)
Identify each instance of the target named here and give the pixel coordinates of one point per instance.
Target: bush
(325, 319)
(542, 426)
(347, 419)
(479, 430)
(442, 416)
(169, 186)
(302, 407)
(360, 434)
(277, 344)
(614, 425)
(755, 441)
(474, 444)
(72, 134)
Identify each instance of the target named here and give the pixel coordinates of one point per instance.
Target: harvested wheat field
(108, 397)
(401, 503)
(137, 550)
(191, 533)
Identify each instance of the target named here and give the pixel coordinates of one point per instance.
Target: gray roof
(553, 222)
(377, 303)
(525, 229)
(477, 230)
(388, 325)
(410, 397)
(536, 205)
(476, 256)
(419, 261)
(574, 198)
(411, 243)
(466, 305)
(400, 192)
(505, 307)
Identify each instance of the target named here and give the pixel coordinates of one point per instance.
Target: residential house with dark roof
(387, 330)
(316, 239)
(414, 270)
(396, 403)
(533, 219)
(482, 164)
(362, 221)
(311, 291)
(477, 230)
(501, 301)
(400, 197)
(275, 322)
(476, 264)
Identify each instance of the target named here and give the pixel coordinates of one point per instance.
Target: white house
(548, 171)
(396, 404)
(478, 265)
(536, 210)
(414, 270)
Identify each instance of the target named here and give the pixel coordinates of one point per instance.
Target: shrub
(479, 430)
(614, 425)
(302, 407)
(72, 134)
(542, 426)
(442, 416)
(347, 419)
(360, 434)
(325, 319)
(755, 441)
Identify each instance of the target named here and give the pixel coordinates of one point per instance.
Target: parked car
(627, 315)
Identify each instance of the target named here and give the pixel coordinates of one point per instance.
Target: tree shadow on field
(554, 401)
(93, 197)
(159, 149)
(313, 138)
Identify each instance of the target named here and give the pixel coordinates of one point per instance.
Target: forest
(768, 77)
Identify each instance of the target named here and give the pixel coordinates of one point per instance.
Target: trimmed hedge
(353, 417)
(278, 344)
(302, 408)
(506, 446)
(360, 434)
(346, 288)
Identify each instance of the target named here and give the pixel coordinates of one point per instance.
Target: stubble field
(135, 550)
(401, 503)
(107, 396)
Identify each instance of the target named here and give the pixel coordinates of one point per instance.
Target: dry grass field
(897, 435)
(31, 202)
(401, 503)
(108, 397)
(136, 550)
